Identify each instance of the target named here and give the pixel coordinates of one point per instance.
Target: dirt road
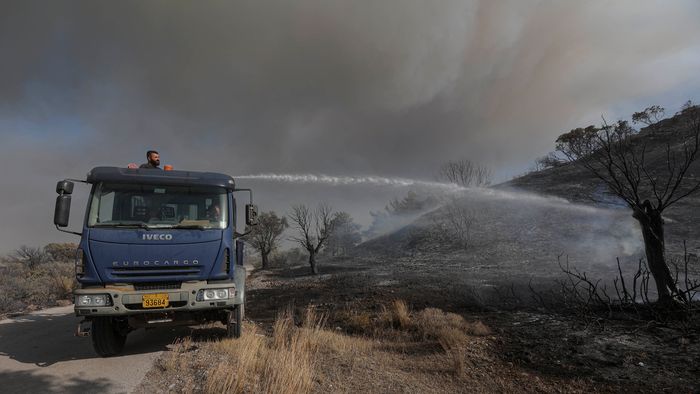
(40, 354)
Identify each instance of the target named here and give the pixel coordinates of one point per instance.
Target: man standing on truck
(153, 161)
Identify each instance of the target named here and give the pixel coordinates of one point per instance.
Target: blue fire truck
(157, 248)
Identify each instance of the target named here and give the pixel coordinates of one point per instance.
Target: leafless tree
(30, 256)
(619, 158)
(465, 173)
(460, 220)
(313, 229)
(265, 236)
(453, 224)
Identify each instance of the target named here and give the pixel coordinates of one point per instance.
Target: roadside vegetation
(33, 278)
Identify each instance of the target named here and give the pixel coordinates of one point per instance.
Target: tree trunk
(265, 260)
(652, 225)
(312, 262)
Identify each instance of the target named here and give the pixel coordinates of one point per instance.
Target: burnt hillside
(576, 184)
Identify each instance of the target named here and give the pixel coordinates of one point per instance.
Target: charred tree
(619, 157)
(465, 173)
(265, 236)
(313, 229)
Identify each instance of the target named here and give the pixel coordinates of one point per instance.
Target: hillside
(576, 184)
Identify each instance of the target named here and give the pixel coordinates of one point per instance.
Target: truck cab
(157, 248)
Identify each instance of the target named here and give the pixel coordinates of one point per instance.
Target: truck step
(83, 329)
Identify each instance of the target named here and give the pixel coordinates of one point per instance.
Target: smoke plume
(388, 87)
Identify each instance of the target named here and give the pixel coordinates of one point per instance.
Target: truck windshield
(149, 206)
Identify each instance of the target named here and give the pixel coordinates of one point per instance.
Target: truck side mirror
(61, 214)
(64, 187)
(251, 214)
(62, 211)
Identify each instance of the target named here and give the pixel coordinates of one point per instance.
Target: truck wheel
(107, 337)
(234, 328)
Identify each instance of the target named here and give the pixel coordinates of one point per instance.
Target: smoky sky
(392, 88)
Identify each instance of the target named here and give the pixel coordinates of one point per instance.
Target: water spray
(447, 187)
(353, 180)
(407, 182)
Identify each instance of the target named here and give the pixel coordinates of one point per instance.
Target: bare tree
(465, 173)
(620, 159)
(460, 220)
(30, 256)
(265, 236)
(313, 229)
(454, 224)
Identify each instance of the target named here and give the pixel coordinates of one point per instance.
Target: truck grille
(155, 272)
(157, 286)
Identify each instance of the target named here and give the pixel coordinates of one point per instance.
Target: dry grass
(450, 330)
(478, 329)
(424, 351)
(397, 322)
(401, 314)
(282, 363)
(174, 360)
(431, 323)
(240, 359)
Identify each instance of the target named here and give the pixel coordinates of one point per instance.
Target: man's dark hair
(148, 154)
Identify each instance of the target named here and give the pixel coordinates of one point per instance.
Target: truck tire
(234, 328)
(107, 338)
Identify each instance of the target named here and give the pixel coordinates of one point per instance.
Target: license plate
(159, 300)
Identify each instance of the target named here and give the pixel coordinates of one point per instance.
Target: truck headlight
(93, 300)
(216, 294)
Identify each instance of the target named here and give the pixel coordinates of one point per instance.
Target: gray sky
(392, 88)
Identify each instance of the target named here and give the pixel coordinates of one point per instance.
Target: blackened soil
(641, 356)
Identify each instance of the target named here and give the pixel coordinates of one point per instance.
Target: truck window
(117, 205)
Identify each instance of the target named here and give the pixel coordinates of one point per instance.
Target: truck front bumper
(124, 300)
